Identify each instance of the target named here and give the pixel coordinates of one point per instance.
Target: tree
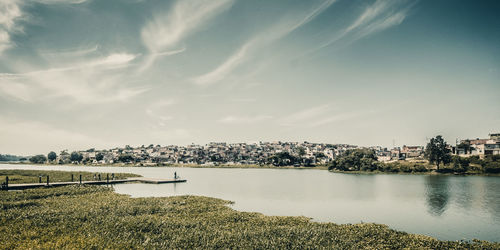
(99, 157)
(283, 159)
(356, 159)
(125, 158)
(75, 156)
(437, 151)
(10, 158)
(38, 159)
(52, 156)
(460, 164)
(301, 152)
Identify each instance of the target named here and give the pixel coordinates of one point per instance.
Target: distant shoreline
(243, 166)
(321, 167)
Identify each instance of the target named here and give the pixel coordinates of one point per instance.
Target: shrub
(356, 159)
(38, 159)
(492, 167)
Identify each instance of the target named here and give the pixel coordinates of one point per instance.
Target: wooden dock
(101, 182)
(154, 180)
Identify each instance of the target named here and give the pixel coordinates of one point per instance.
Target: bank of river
(445, 207)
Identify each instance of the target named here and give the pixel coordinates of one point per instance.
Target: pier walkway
(101, 182)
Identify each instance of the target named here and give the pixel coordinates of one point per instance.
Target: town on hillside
(262, 153)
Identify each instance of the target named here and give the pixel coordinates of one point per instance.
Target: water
(445, 207)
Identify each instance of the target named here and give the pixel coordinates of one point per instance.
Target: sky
(79, 74)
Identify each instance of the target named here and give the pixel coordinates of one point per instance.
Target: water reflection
(437, 193)
(465, 192)
(491, 198)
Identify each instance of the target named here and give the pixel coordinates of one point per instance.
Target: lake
(445, 207)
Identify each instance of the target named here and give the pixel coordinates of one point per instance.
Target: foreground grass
(31, 176)
(76, 217)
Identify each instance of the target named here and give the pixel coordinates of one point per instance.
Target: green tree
(283, 159)
(38, 159)
(437, 151)
(99, 157)
(356, 159)
(125, 158)
(460, 164)
(76, 157)
(52, 156)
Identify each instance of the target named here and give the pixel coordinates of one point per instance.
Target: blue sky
(76, 74)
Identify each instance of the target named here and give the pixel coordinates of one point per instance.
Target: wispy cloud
(381, 15)
(151, 58)
(61, 1)
(69, 53)
(87, 81)
(275, 32)
(383, 23)
(166, 30)
(244, 119)
(227, 66)
(10, 12)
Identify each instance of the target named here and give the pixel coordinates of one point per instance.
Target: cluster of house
(464, 148)
(259, 153)
(213, 153)
(479, 147)
(400, 153)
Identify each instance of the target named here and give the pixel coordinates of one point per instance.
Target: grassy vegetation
(76, 217)
(31, 176)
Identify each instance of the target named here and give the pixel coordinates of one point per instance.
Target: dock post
(107, 178)
(6, 182)
(99, 176)
(40, 179)
(47, 180)
(80, 179)
(71, 177)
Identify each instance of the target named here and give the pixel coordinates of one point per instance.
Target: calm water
(445, 207)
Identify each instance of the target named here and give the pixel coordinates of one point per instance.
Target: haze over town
(85, 74)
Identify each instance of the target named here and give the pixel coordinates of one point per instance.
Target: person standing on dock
(175, 175)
